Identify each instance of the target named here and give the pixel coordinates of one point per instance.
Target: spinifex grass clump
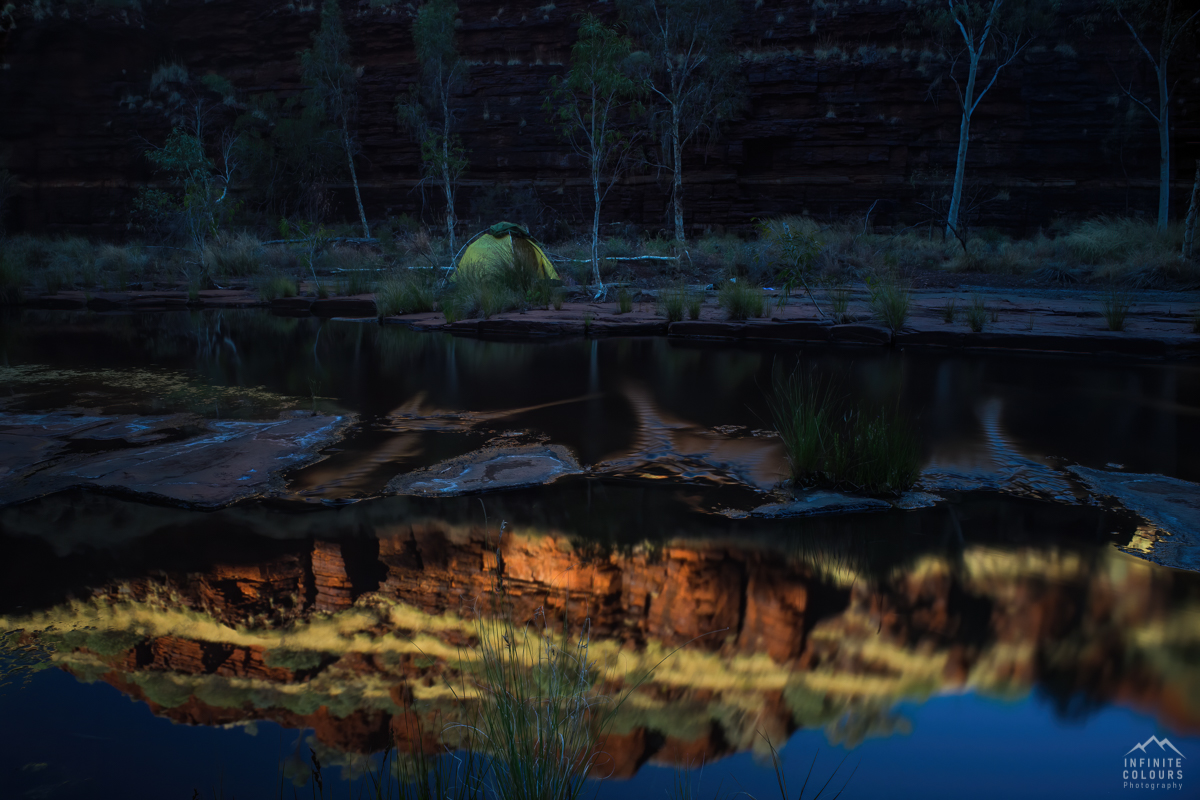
(274, 286)
(741, 300)
(832, 440)
(624, 301)
(672, 302)
(977, 314)
(891, 300)
(1115, 305)
(949, 311)
(407, 291)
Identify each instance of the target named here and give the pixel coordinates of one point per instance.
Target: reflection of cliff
(355, 638)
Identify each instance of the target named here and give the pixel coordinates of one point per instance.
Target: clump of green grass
(977, 313)
(557, 296)
(407, 291)
(1115, 305)
(474, 296)
(356, 282)
(831, 440)
(237, 256)
(891, 300)
(274, 286)
(839, 304)
(949, 311)
(695, 302)
(624, 301)
(741, 300)
(672, 302)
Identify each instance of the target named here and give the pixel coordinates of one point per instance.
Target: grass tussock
(1114, 307)
(950, 311)
(239, 256)
(274, 286)
(475, 297)
(833, 441)
(741, 300)
(891, 301)
(676, 301)
(407, 291)
(624, 301)
(977, 314)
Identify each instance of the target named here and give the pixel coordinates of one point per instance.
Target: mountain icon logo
(1162, 743)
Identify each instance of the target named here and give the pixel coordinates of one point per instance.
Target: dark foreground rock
(180, 458)
(1169, 503)
(489, 469)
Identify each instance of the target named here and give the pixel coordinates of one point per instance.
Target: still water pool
(1009, 634)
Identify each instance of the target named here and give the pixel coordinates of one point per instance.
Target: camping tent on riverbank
(501, 247)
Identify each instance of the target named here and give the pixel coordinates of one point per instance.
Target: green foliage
(1115, 304)
(673, 302)
(198, 207)
(977, 313)
(333, 85)
(839, 304)
(891, 300)
(741, 300)
(427, 111)
(624, 301)
(949, 311)
(795, 243)
(473, 296)
(833, 441)
(273, 286)
(407, 291)
(694, 302)
(585, 107)
(235, 257)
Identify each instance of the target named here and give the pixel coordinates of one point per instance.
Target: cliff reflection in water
(815, 623)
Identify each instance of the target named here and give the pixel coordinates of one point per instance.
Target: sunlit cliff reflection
(357, 638)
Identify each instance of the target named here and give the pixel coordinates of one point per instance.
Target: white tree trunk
(362, 215)
(596, 230)
(448, 187)
(964, 136)
(1164, 149)
(677, 182)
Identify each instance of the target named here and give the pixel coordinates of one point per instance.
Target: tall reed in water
(831, 440)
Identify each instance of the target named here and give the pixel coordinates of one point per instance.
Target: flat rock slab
(180, 458)
(1169, 503)
(488, 470)
(821, 502)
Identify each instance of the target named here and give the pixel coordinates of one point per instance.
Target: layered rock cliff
(845, 109)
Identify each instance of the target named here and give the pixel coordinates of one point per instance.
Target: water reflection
(243, 616)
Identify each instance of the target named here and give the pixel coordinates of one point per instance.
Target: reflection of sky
(961, 746)
(95, 742)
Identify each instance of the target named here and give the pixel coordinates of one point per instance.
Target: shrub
(624, 301)
(891, 300)
(977, 313)
(1115, 305)
(407, 291)
(672, 302)
(235, 257)
(120, 264)
(834, 441)
(741, 300)
(472, 297)
(839, 304)
(272, 287)
(1113, 239)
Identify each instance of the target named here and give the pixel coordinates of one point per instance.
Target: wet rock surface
(1169, 503)
(181, 458)
(489, 469)
(821, 502)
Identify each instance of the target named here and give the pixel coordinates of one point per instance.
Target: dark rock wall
(844, 110)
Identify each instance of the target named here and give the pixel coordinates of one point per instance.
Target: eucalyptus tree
(1158, 28)
(333, 85)
(587, 106)
(692, 73)
(428, 110)
(981, 38)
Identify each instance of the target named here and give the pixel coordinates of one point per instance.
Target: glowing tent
(503, 246)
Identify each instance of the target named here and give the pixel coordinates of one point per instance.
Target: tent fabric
(502, 246)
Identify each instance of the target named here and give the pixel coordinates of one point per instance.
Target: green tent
(504, 246)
